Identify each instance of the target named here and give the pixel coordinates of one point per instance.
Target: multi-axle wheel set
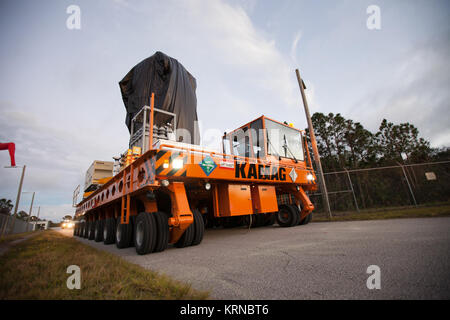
(149, 232)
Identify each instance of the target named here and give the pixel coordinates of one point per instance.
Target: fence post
(5, 225)
(351, 187)
(409, 186)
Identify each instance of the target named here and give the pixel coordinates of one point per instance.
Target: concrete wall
(19, 225)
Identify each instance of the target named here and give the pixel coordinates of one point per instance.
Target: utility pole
(19, 192)
(31, 209)
(37, 220)
(323, 187)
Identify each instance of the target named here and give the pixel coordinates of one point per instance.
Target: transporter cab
(172, 191)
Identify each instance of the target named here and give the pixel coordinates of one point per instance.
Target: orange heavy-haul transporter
(170, 193)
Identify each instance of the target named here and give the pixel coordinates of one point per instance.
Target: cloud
(54, 213)
(241, 74)
(416, 92)
(56, 160)
(294, 45)
(222, 39)
(122, 3)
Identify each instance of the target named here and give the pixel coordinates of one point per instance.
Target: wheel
(199, 227)
(306, 219)
(81, 230)
(88, 229)
(98, 233)
(124, 234)
(145, 233)
(91, 230)
(84, 230)
(162, 231)
(287, 216)
(109, 231)
(296, 219)
(187, 237)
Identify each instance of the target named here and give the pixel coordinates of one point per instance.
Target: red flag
(11, 147)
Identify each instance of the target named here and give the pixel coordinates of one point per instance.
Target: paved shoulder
(316, 261)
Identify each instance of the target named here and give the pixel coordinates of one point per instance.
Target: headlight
(166, 164)
(310, 177)
(63, 225)
(165, 183)
(207, 186)
(177, 163)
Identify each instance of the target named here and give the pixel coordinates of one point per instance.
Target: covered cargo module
(174, 88)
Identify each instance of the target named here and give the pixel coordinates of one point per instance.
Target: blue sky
(60, 101)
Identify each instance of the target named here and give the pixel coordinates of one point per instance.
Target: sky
(60, 101)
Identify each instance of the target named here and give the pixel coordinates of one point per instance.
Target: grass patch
(17, 236)
(421, 212)
(36, 269)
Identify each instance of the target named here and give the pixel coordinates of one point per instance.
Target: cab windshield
(283, 141)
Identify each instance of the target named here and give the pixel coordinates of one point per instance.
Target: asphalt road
(316, 261)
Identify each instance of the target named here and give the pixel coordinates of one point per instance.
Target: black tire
(98, 231)
(124, 234)
(162, 231)
(306, 219)
(187, 237)
(81, 233)
(109, 231)
(287, 216)
(199, 227)
(145, 233)
(91, 230)
(84, 230)
(296, 220)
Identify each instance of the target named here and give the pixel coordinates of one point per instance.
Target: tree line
(344, 143)
(6, 207)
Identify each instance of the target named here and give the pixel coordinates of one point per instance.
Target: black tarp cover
(174, 89)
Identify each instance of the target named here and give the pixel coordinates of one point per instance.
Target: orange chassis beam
(193, 165)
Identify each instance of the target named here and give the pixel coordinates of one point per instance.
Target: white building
(43, 225)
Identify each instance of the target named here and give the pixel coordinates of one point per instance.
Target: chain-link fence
(9, 226)
(394, 186)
